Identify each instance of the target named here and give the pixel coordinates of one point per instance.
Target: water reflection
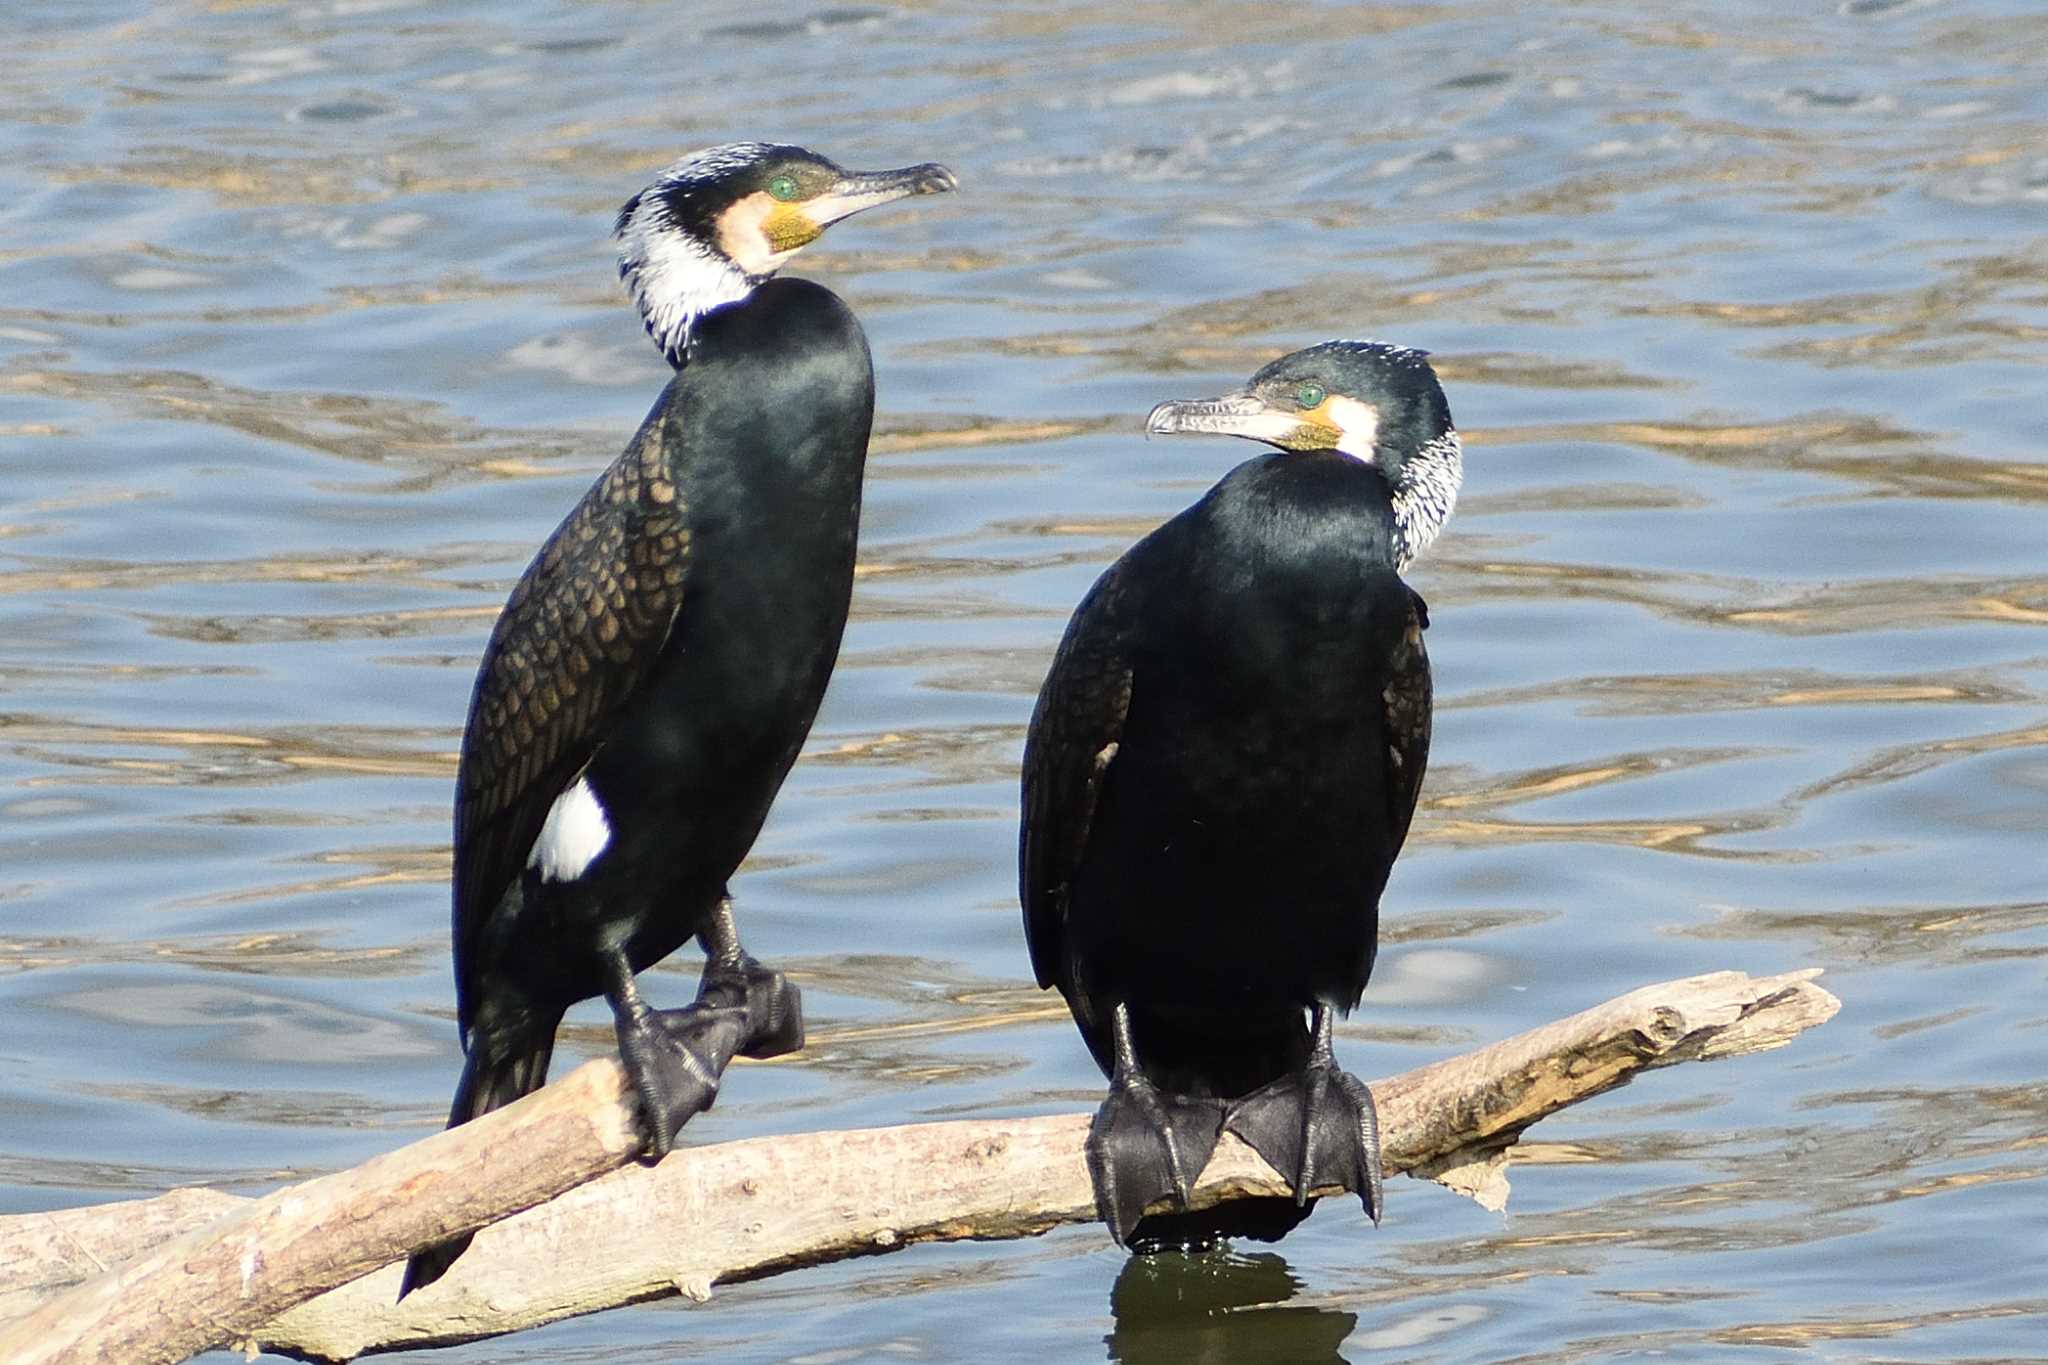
(1218, 1308)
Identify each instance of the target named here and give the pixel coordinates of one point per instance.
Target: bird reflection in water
(1218, 1308)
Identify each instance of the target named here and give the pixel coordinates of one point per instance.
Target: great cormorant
(658, 665)
(1221, 767)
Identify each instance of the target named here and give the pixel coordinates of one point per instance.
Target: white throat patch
(572, 836)
(743, 233)
(1359, 423)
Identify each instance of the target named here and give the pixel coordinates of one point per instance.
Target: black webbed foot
(674, 1059)
(1317, 1126)
(1144, 1145)
(732, 979)
(773, 1006)
(677, 1057)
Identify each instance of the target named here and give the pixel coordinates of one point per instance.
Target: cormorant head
(720, 221)
(1374, 402)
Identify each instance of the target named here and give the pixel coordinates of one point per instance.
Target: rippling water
(308, 333)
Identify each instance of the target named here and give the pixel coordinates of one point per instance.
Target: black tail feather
(494, 1075)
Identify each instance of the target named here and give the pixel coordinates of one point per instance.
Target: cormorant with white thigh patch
(660, 662)
(1220, 770)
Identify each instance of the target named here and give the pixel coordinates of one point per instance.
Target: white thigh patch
(575, 832)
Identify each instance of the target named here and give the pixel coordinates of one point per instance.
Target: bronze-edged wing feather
(1406, 698)
(1075, 730)
(578, 636)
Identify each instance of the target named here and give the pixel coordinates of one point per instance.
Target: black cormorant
(1220, 770)
(660, 662)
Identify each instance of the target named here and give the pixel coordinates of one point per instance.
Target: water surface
(308, 334)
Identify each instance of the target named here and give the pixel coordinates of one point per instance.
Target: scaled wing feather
(577, 638)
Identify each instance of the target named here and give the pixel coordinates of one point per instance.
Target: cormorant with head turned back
(1220, 770)
(660, 662)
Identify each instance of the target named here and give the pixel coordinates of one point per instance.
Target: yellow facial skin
(787, 227)
(1315, 428)
(1340, 423)
(760, 232)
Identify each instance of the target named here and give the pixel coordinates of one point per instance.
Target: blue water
(308, 334)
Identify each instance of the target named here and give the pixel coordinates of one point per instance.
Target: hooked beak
(1234, 414)
(859, 190)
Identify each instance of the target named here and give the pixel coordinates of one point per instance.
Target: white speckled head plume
(1425, 495)
(674, 274)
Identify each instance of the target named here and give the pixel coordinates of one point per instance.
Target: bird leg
(675, 1069)
(1316, 1125)
(769, 1002)
(1144, 1144)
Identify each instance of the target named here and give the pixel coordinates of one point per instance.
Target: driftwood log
(310, 1270)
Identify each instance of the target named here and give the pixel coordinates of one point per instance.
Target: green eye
(1310, 395)
(783, 187)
